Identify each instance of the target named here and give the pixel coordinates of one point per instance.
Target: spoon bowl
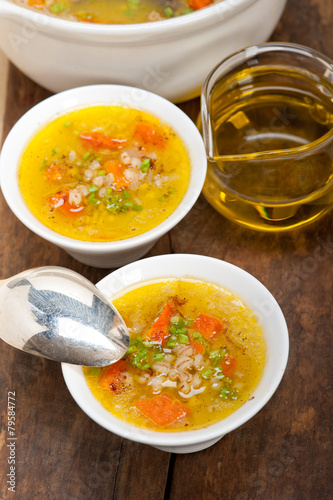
(58, 314)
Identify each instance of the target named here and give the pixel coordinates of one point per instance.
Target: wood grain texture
(283, 453)
(61, 453)
(3, 85)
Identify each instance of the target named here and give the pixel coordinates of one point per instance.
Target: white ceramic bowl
(171, 57)
(242, 284)
(116, 253)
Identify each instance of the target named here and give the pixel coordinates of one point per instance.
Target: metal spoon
(56, 313)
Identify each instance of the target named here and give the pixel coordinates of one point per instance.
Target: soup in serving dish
(104, 173)
(118, 11)
(196, 354)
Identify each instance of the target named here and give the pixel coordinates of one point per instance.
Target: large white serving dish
(171, 57)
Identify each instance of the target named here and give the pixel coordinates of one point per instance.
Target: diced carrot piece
(54, 172)
(163, 409)
(199, 4)
(228, 365)
(196, 346)
(116, 168)
(159, 331)
(38, 4)
(149, 135)
(114, 376)
(99, 140)
(208, 326)
(60, 202)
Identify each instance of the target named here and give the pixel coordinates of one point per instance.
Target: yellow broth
(104, 173)
(116, 11)
(205, 396)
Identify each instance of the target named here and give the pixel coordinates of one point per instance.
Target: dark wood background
(284, 452)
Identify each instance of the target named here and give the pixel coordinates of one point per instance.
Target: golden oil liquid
(272, 140)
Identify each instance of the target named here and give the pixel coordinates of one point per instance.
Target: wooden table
(281, 453)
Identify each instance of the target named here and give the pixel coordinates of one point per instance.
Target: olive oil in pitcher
(270, 147)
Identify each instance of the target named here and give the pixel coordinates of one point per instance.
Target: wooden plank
(142, 474)
(284, 451)
(263, 458)
(3, 85)
(61, 453)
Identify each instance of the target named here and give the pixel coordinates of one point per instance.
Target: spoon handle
(58, 314)
(3, 282)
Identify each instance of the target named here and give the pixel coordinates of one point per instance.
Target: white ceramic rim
(254, 294)
(58, 104)
(216, 13)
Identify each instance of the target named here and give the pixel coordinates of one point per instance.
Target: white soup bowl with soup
(170, 57)
(242, 286)
(120, 249)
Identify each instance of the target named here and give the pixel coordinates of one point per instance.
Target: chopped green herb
(207, 373)
(214, 354)
(162, 198)
(145, 165)
(117, 203)
(132, 348)
(62, 6)
(159, 356)
(135, 361)
(57, 9)
(128, 203)
(183, 339)
(101, 172)
(93, 199)
(94, 371)
(173, 330)
(54, 151)
(234, 395)
(224, 392)
(86, 156)
(92, 189)
(217, 362)
(146, 343)
(196, 335)
(168, 11)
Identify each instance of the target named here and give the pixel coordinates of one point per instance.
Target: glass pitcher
(267, 123)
